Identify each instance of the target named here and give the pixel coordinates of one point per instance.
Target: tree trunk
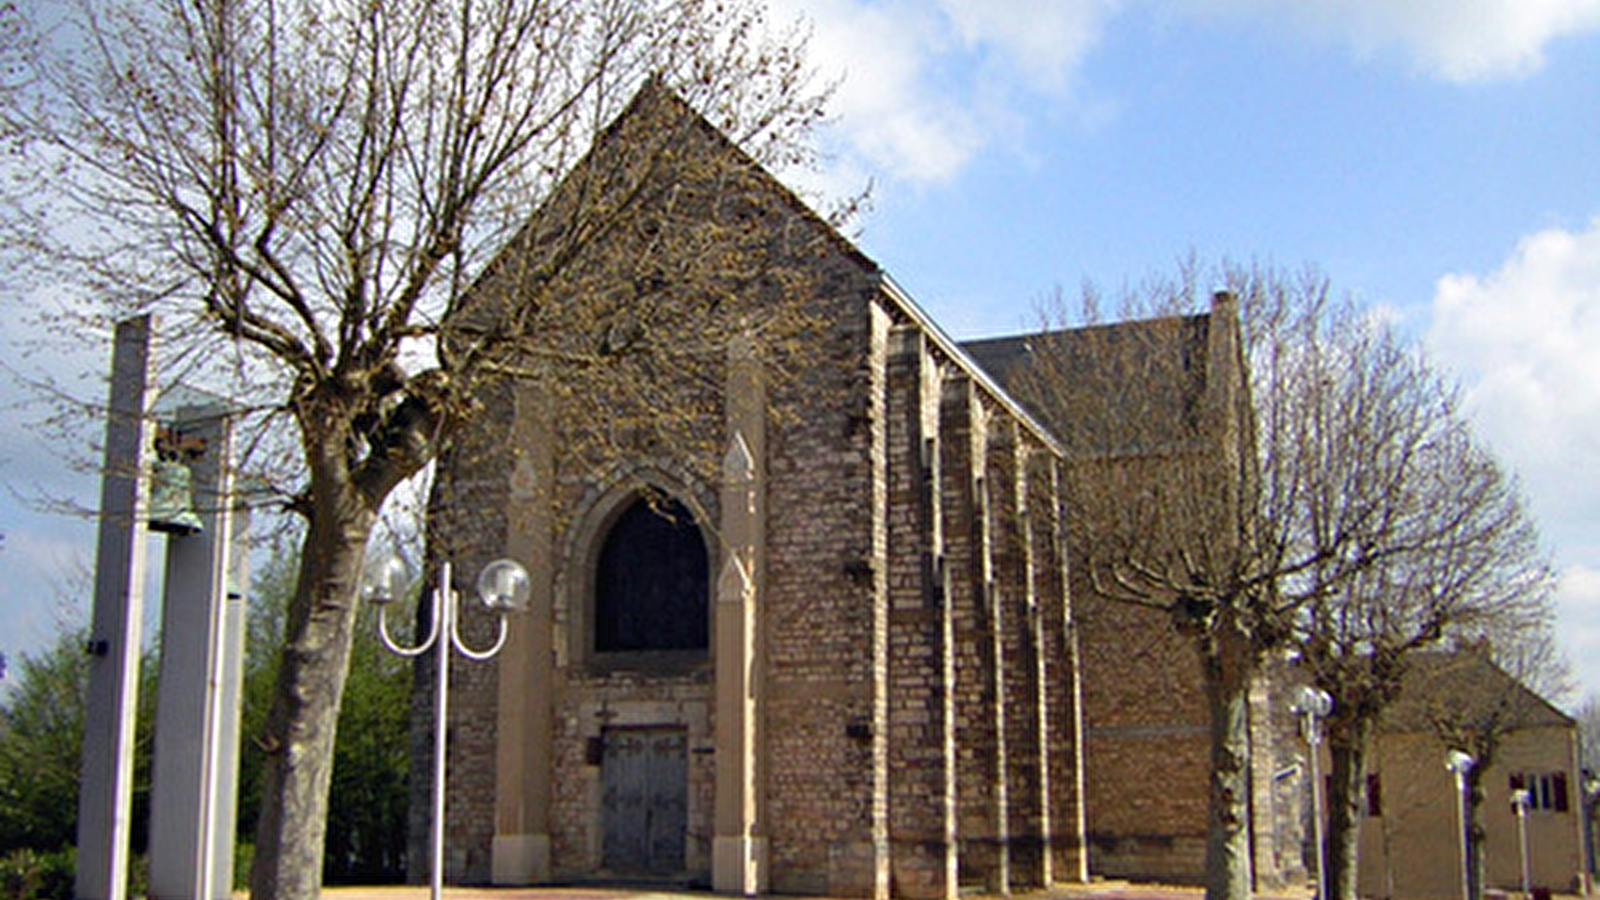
(305, 707)
(1475, 832)
(1347, 748)
(1227, 663)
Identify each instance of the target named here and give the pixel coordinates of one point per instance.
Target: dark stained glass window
(651, 584)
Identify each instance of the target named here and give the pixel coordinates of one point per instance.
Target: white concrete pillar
(195, 768)
(105, 795)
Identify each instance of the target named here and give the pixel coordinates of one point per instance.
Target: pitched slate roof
(1121, 388)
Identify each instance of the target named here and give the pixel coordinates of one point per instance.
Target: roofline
(1570, 720)
(886, 285)
(1123, 324)
(1523, 686)
(1566, 720)
(950, 348)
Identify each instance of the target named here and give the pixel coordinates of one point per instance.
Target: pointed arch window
(652, 583)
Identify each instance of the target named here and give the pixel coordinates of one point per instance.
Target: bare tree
(308, 191)
(1440, 545)
(1164, 498)
(1244, 473)
(1589, 732)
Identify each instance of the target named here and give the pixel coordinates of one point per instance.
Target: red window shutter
(1374, 794)
(1558, 787)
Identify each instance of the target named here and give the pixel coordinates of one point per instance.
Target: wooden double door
(644, 775)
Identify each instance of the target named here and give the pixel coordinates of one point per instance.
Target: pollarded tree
(366, 840)
(307, 192)
(1164, 500)
(1444, 547)
(1232, 472)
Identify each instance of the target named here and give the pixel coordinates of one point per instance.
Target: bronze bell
(172, 484)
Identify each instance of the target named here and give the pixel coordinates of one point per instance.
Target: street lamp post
(1313, 705)
(503, 587)
(1520, 799)
(1460, 764)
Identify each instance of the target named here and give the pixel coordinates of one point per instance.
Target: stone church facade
(828, 648)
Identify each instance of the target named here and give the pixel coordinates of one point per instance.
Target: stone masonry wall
(889, 640)
(909, 621)
(824, 655)
(473, 476)
(1063, 695)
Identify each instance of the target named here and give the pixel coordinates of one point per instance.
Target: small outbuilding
(1411, 829)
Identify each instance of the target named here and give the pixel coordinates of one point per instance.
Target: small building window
(1547, 791)
(652, 584)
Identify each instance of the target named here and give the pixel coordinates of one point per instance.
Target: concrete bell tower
(203, 622)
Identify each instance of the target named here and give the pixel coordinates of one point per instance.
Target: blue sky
(1440, 160)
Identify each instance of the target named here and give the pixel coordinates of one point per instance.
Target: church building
(814, 635)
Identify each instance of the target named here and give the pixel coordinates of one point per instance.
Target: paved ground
(1099, 890)
(1096, 890)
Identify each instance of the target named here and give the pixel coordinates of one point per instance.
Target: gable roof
(1134, 387)
(1467, 686)
(654, 91)
(660, 106)
(654, 97)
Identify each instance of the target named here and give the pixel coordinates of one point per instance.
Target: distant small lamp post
(1520, 800)
(1313, 705)
(503, 587)
(1460, 764)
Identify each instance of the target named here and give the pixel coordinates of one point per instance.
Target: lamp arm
(427, 643)
(477, 655)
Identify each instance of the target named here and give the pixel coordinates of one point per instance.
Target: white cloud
(1578, 608)
(1457, 40)
(925, 85)
(1042, 41)
(1524, 339)
(928, 84)
(884, 109)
